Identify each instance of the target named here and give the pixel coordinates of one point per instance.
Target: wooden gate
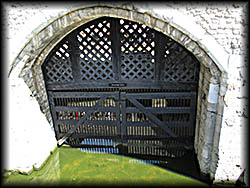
(116, 82)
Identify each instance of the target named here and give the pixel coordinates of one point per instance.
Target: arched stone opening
(212, 78)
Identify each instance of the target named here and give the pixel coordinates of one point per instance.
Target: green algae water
(69, 166)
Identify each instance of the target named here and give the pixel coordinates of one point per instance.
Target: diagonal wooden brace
(81, 121)
(151, 116)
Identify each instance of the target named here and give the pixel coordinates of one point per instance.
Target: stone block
(183, 38)
(212, 107)
(56, 26)
(62, 22)
(138, 17)
(114, 12)
(207, 75)
(205, 153)
(123, 13)
(191, 46)
(96, 10)
(223, 90)
(169, 29)
(83, 13)
(176, 34)
(213, 93)
(147, 20)
(186, 42)
(153, 21)
(72, 18)
(200, 54)
(159, 24)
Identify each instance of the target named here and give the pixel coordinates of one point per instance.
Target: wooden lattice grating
(58, 68)
(96, 53)
(137, 50)
(179, 65)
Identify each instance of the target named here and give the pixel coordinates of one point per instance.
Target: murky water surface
(70, 166)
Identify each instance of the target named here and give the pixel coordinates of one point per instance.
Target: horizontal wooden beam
(150, 124)
(84, 108)
(88, 122)
(161, 110)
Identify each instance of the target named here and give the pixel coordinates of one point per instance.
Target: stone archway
(212, 81)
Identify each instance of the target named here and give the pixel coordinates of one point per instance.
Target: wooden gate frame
(155, 65)
(122, 124)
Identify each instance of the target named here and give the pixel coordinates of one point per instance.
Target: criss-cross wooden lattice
(137, 51)
(111, 49)
(58, 68)
(118, 80)
(96, 55)
(179, 65)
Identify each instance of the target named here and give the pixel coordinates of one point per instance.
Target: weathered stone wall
(215, 19)
(228, 23)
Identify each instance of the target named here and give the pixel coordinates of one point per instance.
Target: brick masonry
(210, 36)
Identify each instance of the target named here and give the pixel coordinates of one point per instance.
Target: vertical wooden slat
(192, 113)
(53, 112)
(117, 115)
(159, 56)
(123, 113)
(116, 48)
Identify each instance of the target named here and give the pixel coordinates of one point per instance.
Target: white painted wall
(28, 136)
